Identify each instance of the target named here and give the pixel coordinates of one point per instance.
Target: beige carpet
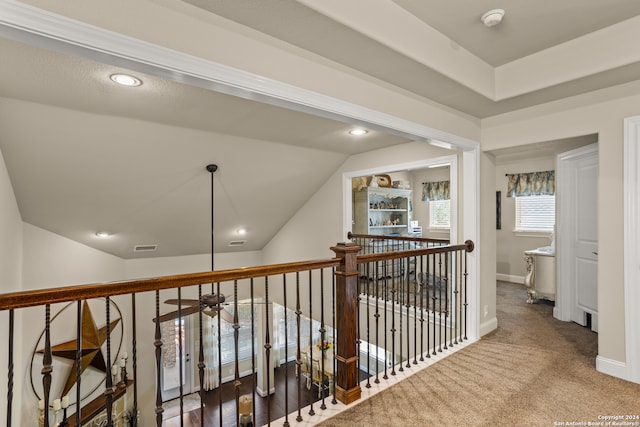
(532, 371)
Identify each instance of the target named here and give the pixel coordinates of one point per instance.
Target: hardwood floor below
(273, 407)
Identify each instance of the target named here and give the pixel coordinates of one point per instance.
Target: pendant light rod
(212, 168)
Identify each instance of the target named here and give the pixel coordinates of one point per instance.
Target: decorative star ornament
(91, 352)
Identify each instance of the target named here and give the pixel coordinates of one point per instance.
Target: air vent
(145, 248)
(235, 243)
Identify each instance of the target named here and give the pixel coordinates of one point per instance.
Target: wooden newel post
(347, 382)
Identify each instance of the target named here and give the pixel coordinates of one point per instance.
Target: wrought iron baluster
(393, 323)
(298, 354)
(400, 297)
(440, 301)
(47, 362)
(451, 290)
(456, 284)
(158, 344)
(286, 352)
(460, 294)
(253, 353)
(180, 356)
(201, 364)
(79, 360)
(419, 280)
(377, 317)
(236, 336)
(108, 392)
(358, 340)
(367, 299)
(323, 338)
(386, 352)
(267, 347)
(415, 312)
(311, 411)
(335, 343)
(465, 295)
(434, 298)
(447, 258)
(427, 302)
(134, 363)
(219, 354)
(407, 300)
(10, 370)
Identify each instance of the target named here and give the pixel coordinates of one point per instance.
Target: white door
(578, 233)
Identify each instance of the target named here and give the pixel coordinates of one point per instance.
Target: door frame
(419, 164)
(632, 246)
(469, 221)
(565, 183)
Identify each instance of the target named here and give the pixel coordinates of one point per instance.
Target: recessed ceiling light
(358, 132)
(103, 234)
(126, 80)
(493, 17)
(241, 231)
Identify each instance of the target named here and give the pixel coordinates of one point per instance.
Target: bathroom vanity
(540, 279)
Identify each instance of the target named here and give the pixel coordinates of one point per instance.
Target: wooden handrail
(40, 297)
(468, 246)
(351, 235)
(346, 302)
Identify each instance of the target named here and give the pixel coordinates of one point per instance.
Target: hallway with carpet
(533, 370)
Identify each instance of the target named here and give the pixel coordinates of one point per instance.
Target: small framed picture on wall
(498, 209)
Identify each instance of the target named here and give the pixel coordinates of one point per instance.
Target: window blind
(535, 213)
(439, 214)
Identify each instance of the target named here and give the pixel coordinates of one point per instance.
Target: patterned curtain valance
(531, 184)
(438, 190)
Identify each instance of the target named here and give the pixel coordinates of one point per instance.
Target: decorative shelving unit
(381, 211)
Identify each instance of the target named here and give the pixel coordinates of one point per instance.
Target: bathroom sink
(546, 249)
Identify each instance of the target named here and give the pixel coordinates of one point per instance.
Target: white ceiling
(442, 51)
(84, 155)
(528, 27)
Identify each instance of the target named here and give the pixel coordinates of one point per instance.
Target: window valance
(438, 190)
(531, 184)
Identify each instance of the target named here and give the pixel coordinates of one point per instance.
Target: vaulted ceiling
(84, 155)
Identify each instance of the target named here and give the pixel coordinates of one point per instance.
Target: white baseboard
(510, 278)
(488, 326)
(612, 367)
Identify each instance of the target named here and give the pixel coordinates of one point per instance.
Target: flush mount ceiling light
(103, 234)
(126, 80)
(241, 231)
(493, 17)
(358, 132)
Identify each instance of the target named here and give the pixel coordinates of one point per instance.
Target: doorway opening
(176, 356)
(413, 214)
